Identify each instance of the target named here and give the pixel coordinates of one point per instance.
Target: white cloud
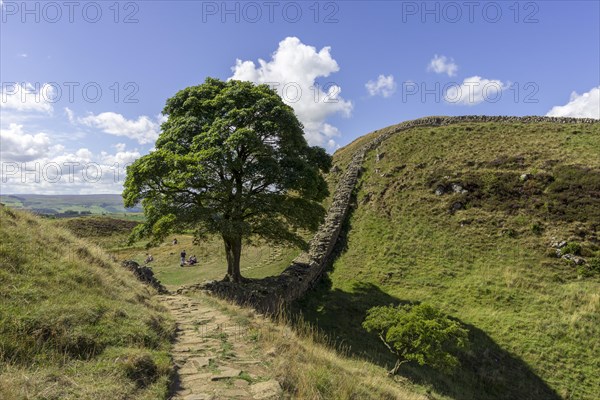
(27, 97)
(384, 86)
(16, 145)
(293, 71)
(121, 158)
(144, 130)
(475, 90)
(586, 105)
(23, 55)
(120, 146)
(442, 65)
(70, 115)
(62, 172)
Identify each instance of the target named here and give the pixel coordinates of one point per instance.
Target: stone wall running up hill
(269, 294)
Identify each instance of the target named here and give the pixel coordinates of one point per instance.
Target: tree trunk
(394, 370)
(233, 251)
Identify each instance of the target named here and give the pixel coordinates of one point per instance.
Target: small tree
(231, 160)
(418, 333)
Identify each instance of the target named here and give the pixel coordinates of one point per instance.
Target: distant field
(64, 205)
(258, 260)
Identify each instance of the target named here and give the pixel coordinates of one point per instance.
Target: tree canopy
(418, 333)
(232, 160)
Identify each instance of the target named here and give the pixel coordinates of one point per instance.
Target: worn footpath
(215, 354)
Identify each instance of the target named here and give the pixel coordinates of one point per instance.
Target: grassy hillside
(74, 324)
(481, 250)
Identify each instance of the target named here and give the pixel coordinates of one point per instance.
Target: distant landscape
(69, 205)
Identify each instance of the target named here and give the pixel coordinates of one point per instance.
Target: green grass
(534, 319)
(258, 259)
(73, 324)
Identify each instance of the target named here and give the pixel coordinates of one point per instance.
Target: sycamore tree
(231, 160)
(418, 333)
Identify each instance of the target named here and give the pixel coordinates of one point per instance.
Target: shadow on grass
(487, 371)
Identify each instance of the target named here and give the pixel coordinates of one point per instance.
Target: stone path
(215, 356)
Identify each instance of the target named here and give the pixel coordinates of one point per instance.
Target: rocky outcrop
(144, 274)
(268, 294)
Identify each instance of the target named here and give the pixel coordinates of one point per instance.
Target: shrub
(571, 248)
(591, 268)
(418, 333)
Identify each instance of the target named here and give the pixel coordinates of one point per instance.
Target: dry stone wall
(269, 294)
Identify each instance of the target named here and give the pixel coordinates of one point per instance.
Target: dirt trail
(215, 356)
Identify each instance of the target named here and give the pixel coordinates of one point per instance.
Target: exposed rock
(226, 373)
(575, 259)
(144, 274)
(525, 177)
(456, 188)
(240, 383)
(379, 157)
(200, 362)
(266, 390)
(440, 190)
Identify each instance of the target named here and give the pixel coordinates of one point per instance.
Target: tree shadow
(487, 371)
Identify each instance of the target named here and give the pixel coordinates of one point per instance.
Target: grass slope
(480, 253)
(73, 324)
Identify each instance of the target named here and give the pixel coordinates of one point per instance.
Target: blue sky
(376, 59)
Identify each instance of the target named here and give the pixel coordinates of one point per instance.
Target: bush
(573, 248)
(591, 268)
(418, 333)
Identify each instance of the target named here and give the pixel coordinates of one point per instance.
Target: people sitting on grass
(174, 241)
(183, 254)
(193, 260)
(149, 258)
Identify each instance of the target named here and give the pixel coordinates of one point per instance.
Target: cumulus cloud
(384, 86)
(475, 90)
(144, 129)
(17, 145)
(442, 65)
(293, 71)
(586, 105)
(62, 172)
(27, 97)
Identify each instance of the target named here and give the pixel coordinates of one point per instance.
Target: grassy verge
(73, 324)
(307, 368)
